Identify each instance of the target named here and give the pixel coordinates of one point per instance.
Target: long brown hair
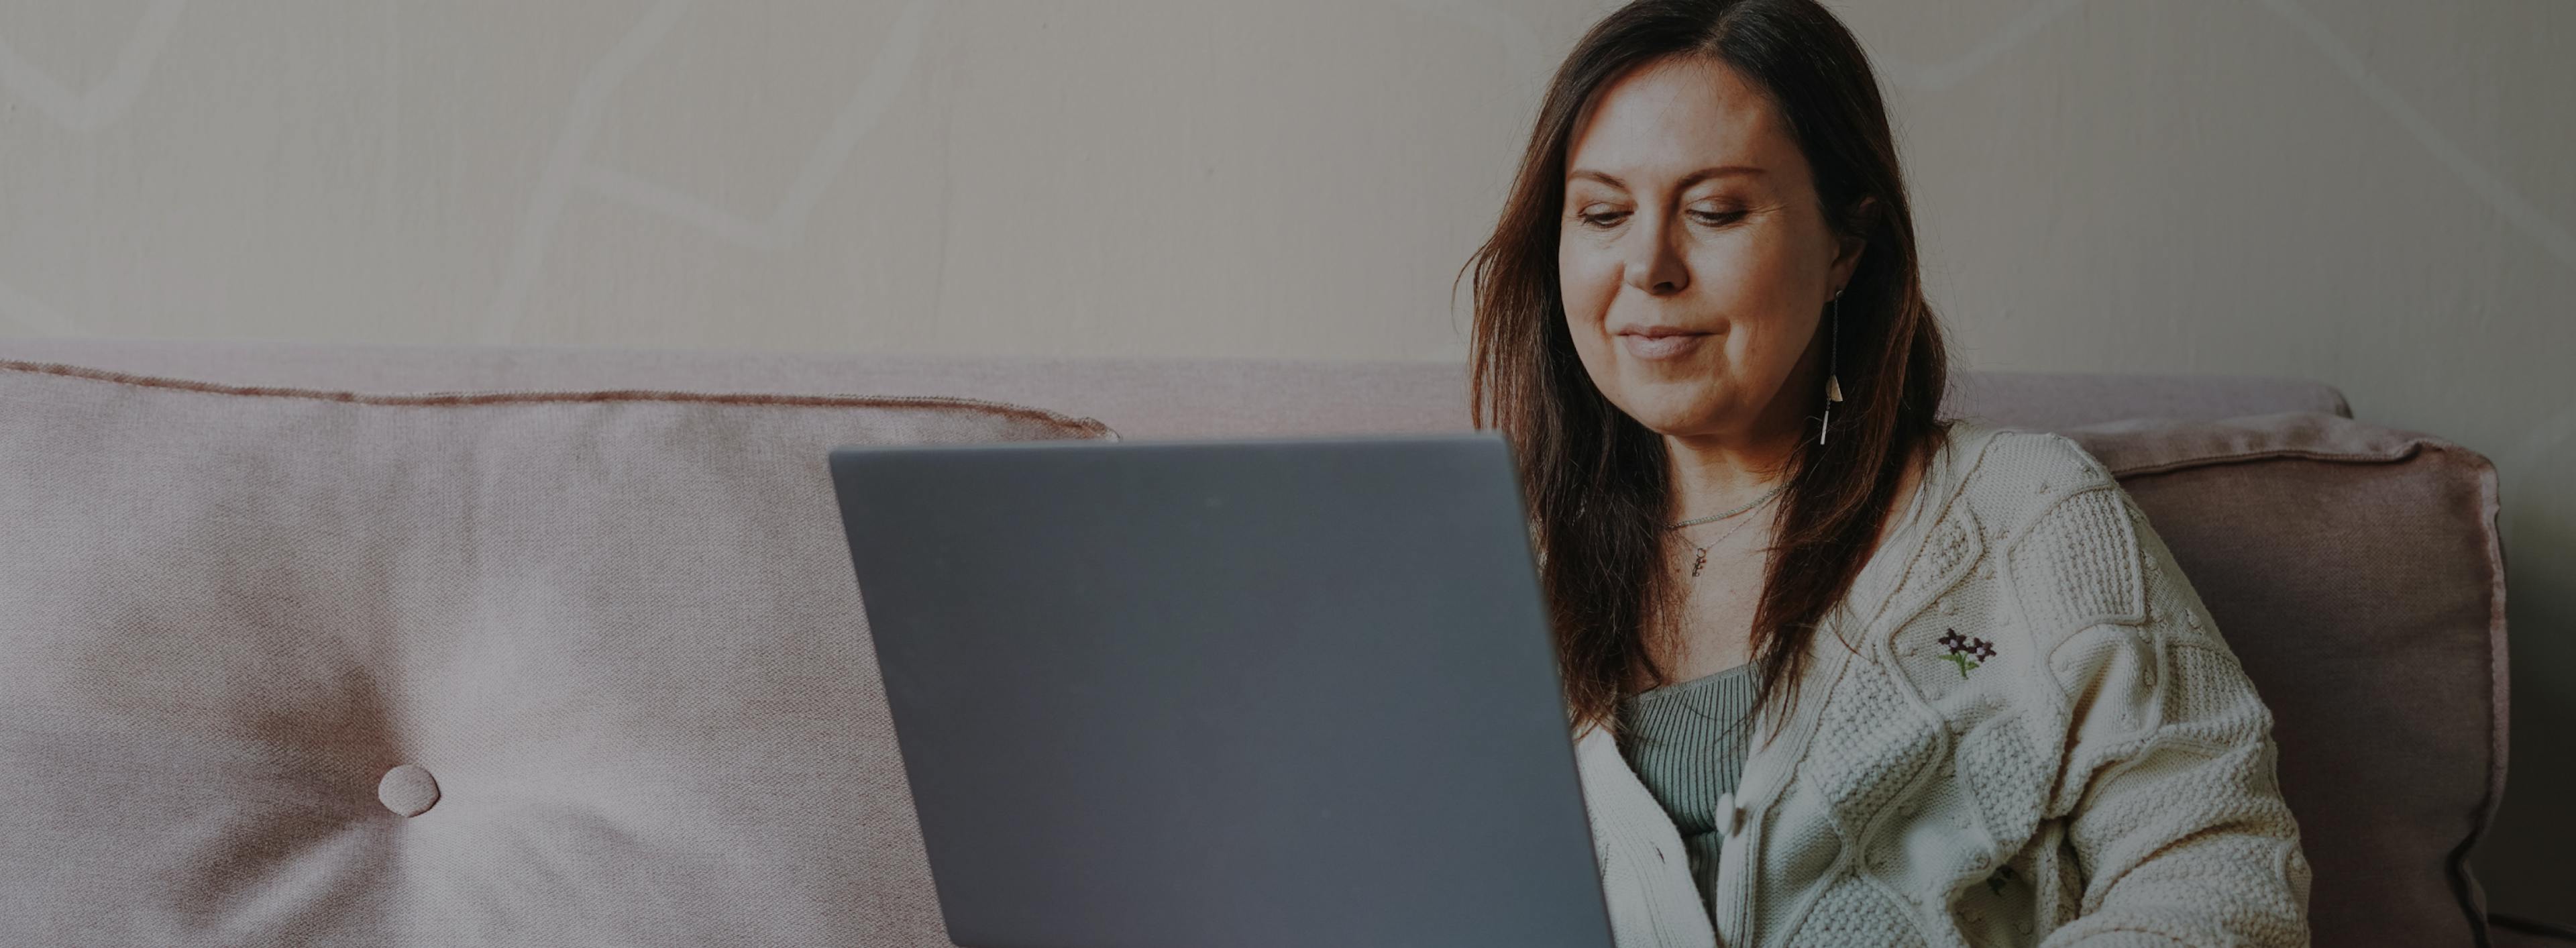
(1595, 480)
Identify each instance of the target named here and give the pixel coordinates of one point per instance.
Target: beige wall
(2369, 192)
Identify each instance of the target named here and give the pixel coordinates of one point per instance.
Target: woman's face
(1689, 211)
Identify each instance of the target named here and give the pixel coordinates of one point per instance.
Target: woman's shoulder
(2033, 512)
(2064, 538)
(2004, 463)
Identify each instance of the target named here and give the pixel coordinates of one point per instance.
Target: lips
(1657, 343)
(1658, 332)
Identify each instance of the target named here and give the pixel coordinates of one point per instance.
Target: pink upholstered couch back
(2354, 568)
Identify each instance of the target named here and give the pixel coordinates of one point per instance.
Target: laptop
(1244, 693)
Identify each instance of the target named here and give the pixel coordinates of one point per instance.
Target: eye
(1717, 218)
(1602, 220)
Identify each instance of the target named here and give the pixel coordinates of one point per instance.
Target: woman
(1843, 673)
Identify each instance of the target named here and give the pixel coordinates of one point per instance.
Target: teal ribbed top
(1683, 741)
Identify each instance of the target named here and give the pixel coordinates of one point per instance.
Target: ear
(1847, 249)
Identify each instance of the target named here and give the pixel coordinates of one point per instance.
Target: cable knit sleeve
(2168, 792)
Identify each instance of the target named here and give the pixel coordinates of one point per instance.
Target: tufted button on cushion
(628, 615)
(408, 790)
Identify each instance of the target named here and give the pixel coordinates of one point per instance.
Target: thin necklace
(1756, 502)
(1701, 561)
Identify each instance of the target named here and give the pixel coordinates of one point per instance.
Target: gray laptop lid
(1287, 692)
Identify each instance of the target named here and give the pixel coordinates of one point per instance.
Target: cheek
(1745, 274)
(1587, 280)
(1763, 291)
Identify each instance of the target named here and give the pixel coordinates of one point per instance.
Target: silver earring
(1833, 354)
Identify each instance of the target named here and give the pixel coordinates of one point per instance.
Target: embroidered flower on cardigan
(2003, 876)
(1965, 652)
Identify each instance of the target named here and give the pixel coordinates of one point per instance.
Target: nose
(1654, 263)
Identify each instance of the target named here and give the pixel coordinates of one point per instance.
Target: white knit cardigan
(2035, 737)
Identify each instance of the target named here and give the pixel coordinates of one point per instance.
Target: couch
(414, 645)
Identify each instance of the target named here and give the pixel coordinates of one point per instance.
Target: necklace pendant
(1700, 562)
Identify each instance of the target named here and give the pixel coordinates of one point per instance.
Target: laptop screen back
(1292, 692)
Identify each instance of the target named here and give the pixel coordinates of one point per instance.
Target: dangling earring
(1833, 351)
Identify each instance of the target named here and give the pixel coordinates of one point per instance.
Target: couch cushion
(2357, 572)
(604, 647)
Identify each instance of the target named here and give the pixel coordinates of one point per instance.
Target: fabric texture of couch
(560, 646)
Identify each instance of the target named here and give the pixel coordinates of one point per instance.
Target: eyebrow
(1687, 180)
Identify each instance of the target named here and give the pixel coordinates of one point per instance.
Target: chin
(1678, 410)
